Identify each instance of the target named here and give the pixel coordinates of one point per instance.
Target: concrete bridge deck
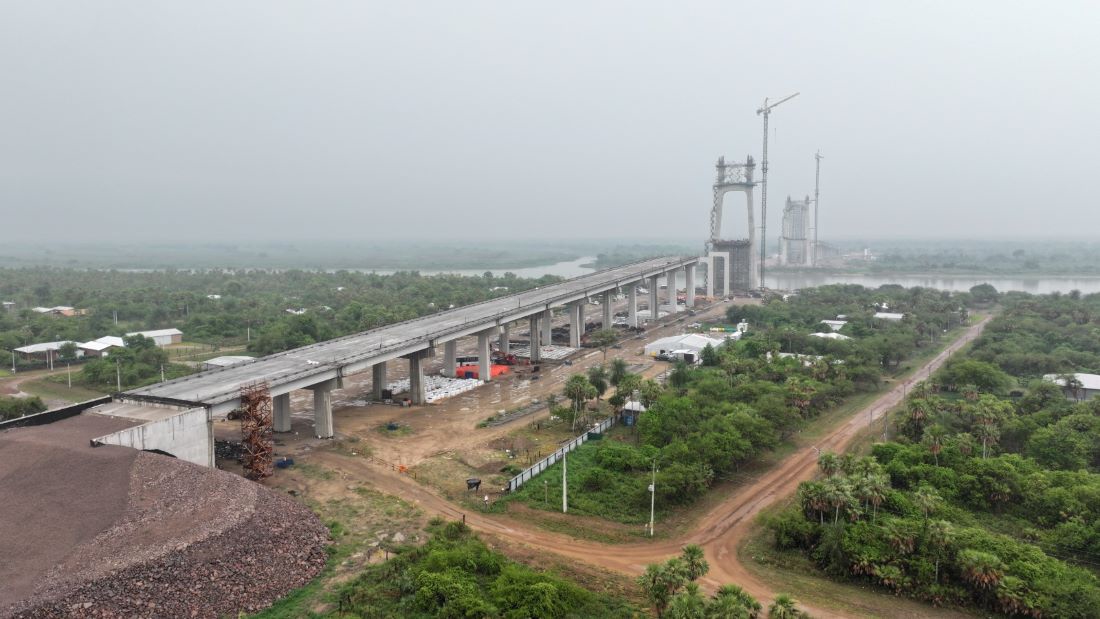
(321, 366)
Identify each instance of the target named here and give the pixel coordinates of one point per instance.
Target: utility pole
(13, 362)
(162, 372)
(116, 317)
(766, 111)
(652, 497)
(118, 377)
(564, 481)
(817, 199)
(69, 371)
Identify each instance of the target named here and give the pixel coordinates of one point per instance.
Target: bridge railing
(535, 469)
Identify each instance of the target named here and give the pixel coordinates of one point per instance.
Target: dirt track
(719, 532)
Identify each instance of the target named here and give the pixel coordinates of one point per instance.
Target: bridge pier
(280, 418)
(632, 305)
(654, 306)
(378, 373)
(484, 365)
(576, 323)
(505, 343)
(670, 282)
(450, 352)
(689, 279)
(418, 394)
(547, 327)
(533, 320)
(608, 315)
(322, 408)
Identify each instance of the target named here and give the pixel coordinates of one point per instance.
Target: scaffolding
(256, 430)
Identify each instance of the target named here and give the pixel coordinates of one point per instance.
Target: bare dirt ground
(719, 531)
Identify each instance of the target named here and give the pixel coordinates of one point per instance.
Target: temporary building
(831, 336)
(161, 337)
(100, 347)
(692, 343)
(44, 350)
(889, 316)
(472, 371)
(1088, 385)
(835, 325)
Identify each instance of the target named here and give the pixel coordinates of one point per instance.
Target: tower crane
(766, 111)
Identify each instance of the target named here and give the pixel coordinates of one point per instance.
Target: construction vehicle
(499, 358)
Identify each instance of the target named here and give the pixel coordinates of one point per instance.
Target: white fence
(532, 471)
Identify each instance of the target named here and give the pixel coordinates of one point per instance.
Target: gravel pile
(188, 541)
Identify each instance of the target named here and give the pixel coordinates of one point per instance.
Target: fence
(530, 472)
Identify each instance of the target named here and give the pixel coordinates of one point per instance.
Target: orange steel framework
(256, 430)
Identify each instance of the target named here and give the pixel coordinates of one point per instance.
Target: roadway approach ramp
(326, 363)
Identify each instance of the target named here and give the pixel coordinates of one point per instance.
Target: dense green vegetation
(456, 575)
(990, 492)
(11, 408)
(334, 303)
(710, 421)
(671, 589)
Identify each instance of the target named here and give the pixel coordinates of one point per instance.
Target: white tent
(692, 343)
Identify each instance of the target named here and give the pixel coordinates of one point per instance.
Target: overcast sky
(274, 119)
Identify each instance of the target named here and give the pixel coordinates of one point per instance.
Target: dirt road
(719, 532)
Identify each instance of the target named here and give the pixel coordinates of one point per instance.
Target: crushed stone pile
(184, 541)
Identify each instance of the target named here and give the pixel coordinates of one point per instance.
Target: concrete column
(322, 408)
(417, 392)
(281, 413)
(710, 276)
(608, 315)
(484, 366)
(378, 371)
(534, 322)
(450, 352)
(580, 314)
(632, 305)
(575, 327)
(505, 343)
(654, 305)
(689, 277)
(670, 282)
(547, 327)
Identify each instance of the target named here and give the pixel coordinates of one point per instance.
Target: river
(1039, 284)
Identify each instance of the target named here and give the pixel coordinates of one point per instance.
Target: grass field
(48, 390)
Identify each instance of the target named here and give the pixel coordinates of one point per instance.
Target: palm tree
(933, 438)
(598, 378)
(731, 601)
(927, 500)
(784, 607)
(900, 536)
(940, 536)
(811, 496)
(618, 371)
(695, 562)
(579, 390)
(988, 434)
(984, 570)
(829, 463)
(687, 604)
(838, 493)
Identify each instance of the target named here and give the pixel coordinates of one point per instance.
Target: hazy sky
(274, 119)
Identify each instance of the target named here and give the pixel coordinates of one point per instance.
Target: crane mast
(766, 111)
(817, 203)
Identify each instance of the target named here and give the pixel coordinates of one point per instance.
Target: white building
(835, 325)
(687, 347)
(45, 350)
(100, 347)
(161, 337)
(1088, 385)
(831, 336)
(889, 316)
